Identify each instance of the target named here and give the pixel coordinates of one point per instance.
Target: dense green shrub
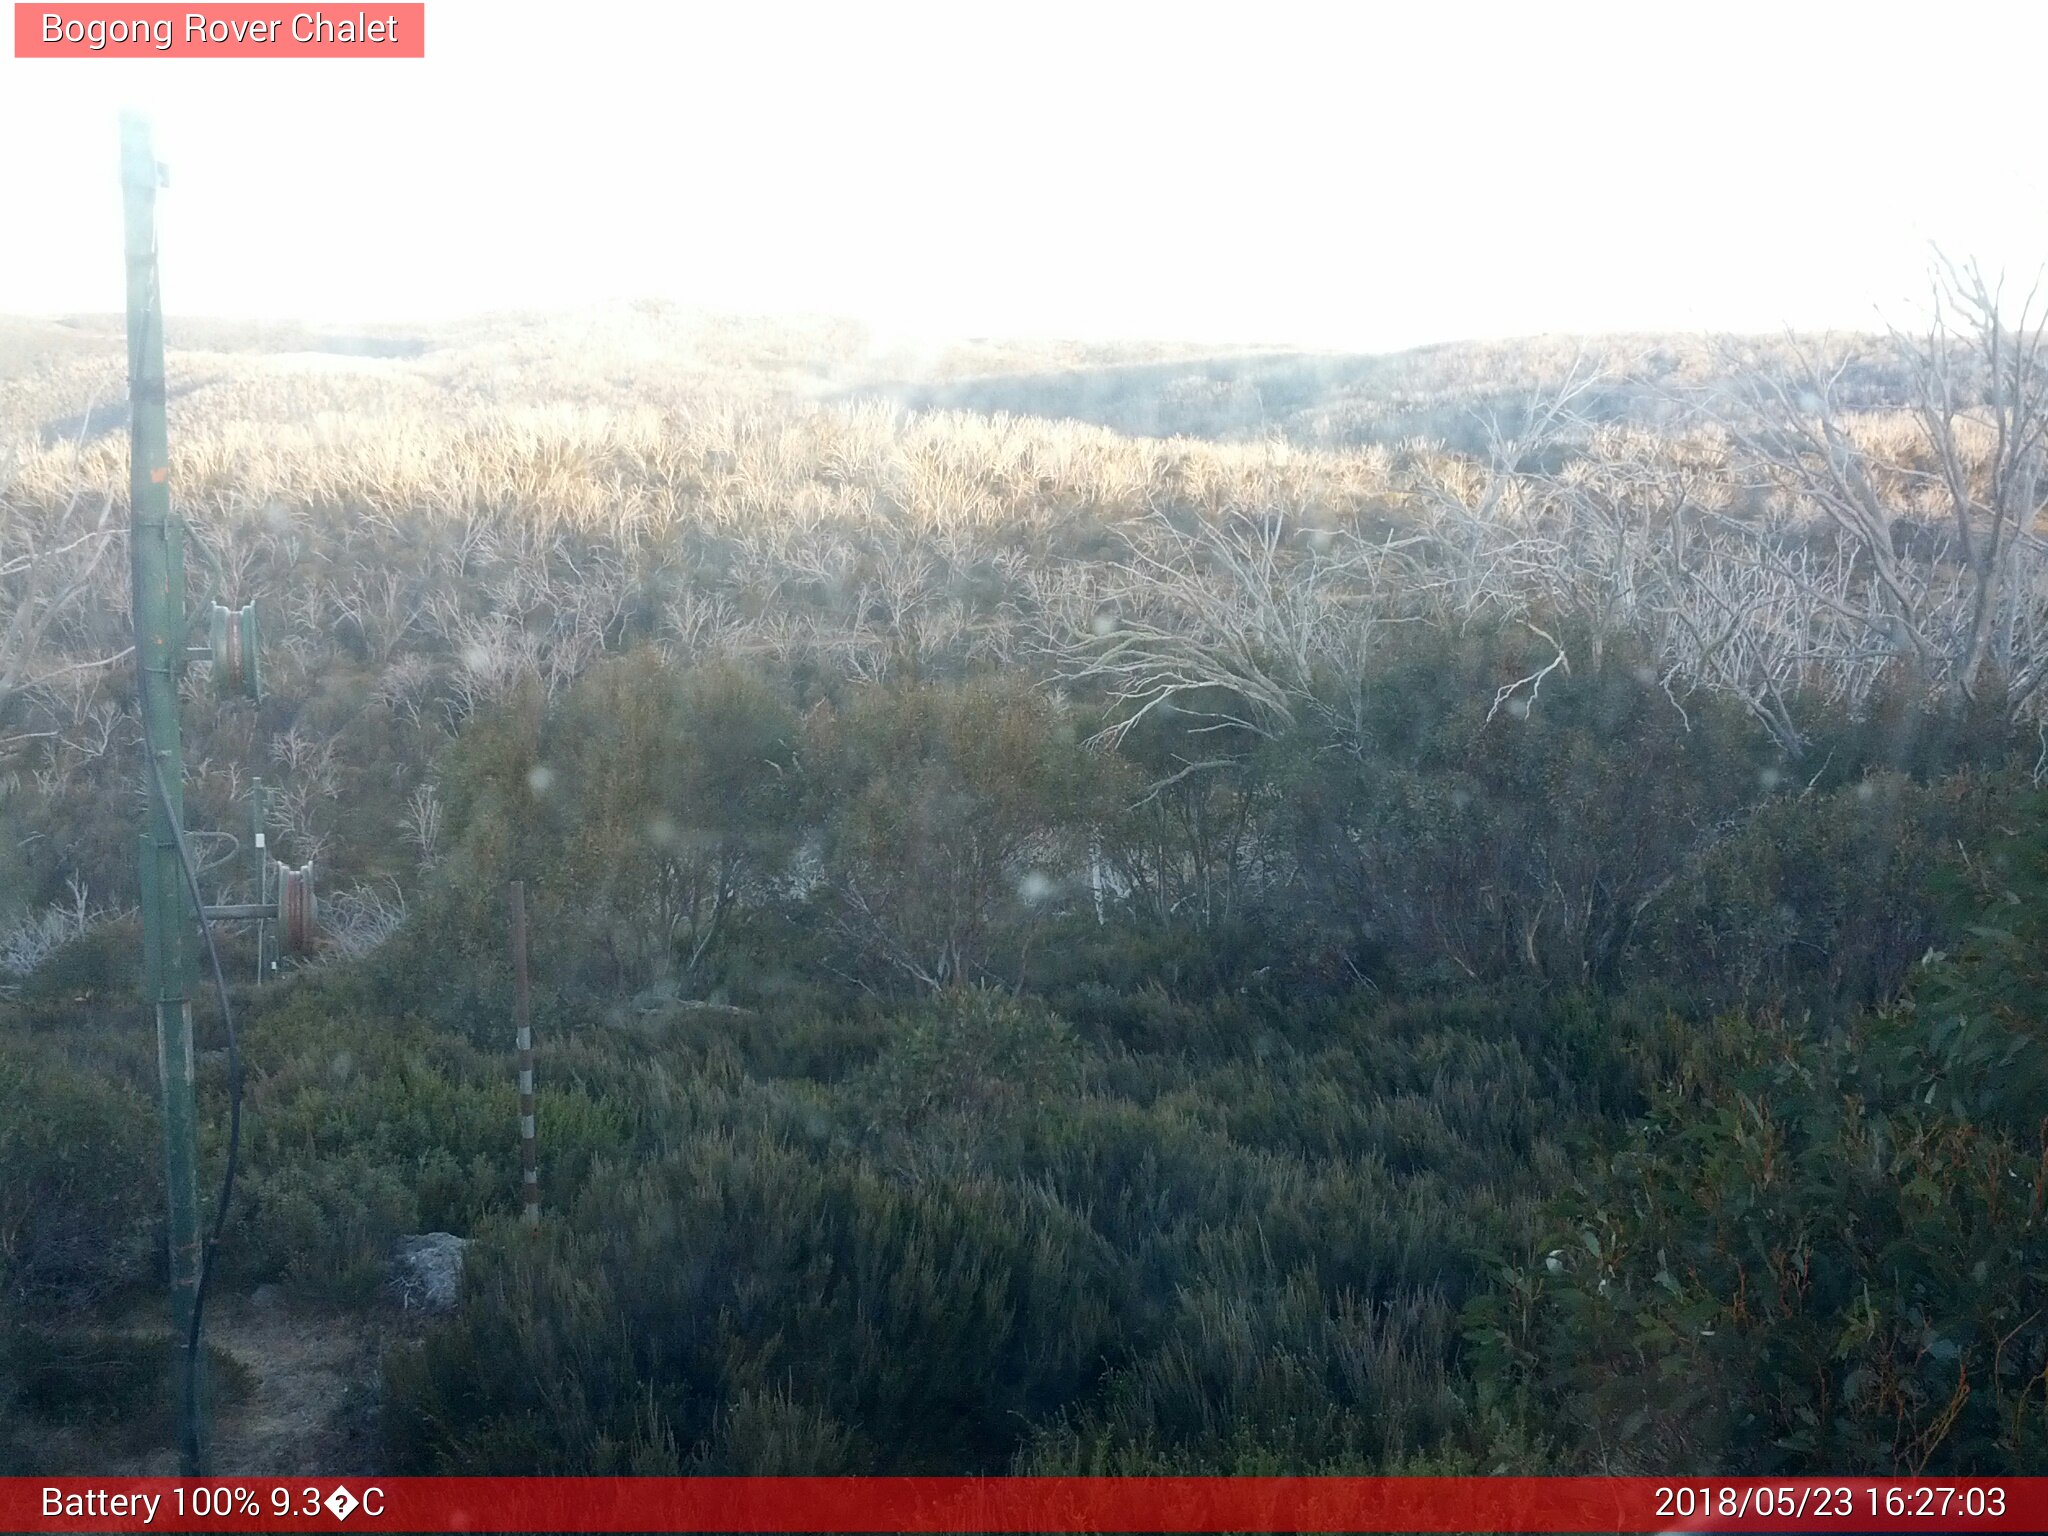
(358, 1129)
(102, 967)
(805, 1041)
(1827, 1254)
(1277, 1380)
(82, 1186)
(931, 1320)
(674, 796)
(1900, 731)
(1825, 899)
(952, 821)
(995, 1244)
(1469, 824)
(974, 1054)
(1439, 819)
(112, 1382)
(1807, 1270)
(325, 1227)
(920, 1090)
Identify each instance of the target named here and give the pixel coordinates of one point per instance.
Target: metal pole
(157, 561)
(522, 1004)
(239, 912)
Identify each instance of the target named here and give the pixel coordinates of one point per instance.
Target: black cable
(227, 1013)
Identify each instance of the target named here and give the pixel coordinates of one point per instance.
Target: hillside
(1094, 909)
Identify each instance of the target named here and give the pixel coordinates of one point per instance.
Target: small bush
(82, 1190)
(971, 1054)
(325, 1227)
(117, 1386)
(103, 964)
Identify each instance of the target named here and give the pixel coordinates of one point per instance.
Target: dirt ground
(307, 1407)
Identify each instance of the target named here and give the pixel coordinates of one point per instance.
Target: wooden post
(529, 1167)
(259, 843)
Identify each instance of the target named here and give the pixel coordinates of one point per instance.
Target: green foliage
(1984, 1056)
(1480, 826)
(326, 1227)
(1217, 1095)
(1903, 732)
(116, 1383)
(1439, 819)
(1275, 1382)
(929, 1320)
(951, 821)
(997, 1243)
(651, 816)
(449, 959)
(1826, 1254)
(83, 1183)
(102, 965)
(673, 795)
(359, 1130)
(971, 1054)
(1826, 899)
(98, 1375)
(796, 1042)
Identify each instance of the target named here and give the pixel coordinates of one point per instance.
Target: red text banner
(1052, 1504)
(226, 31)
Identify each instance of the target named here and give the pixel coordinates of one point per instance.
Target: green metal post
(157, 560)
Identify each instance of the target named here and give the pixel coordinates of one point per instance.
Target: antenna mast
(156, 547)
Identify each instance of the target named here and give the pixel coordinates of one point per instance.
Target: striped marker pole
(529, 1166)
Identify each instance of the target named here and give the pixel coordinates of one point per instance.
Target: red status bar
(1053, 1504)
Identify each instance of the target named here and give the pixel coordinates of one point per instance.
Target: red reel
(298, 912)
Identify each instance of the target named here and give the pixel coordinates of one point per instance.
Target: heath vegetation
(1475, 910)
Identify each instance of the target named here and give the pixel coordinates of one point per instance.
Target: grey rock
(426, 1271)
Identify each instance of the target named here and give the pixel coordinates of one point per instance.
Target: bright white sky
(1358, 175)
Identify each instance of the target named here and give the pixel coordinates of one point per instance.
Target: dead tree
(1231, 623)
(1976, 463)
(49, 565)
